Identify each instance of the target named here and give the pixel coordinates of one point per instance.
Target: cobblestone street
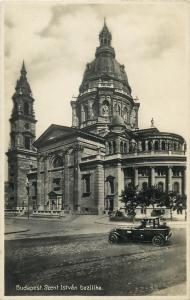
(86, 264)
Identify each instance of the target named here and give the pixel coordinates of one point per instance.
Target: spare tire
(113, 238)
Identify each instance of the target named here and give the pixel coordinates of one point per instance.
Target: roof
(105, 65)
(154, 132)
(58, 132)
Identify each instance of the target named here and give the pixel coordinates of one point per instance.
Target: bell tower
(21, 153)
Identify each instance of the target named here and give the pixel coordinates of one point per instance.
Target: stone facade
(84, 168)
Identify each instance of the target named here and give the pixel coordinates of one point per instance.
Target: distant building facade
(85, 167)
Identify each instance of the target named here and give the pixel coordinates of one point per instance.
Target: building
(85, 167)
(22, 156)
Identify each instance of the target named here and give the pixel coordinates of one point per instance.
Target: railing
(131, 155)
(120, 91)
(88, 91)
(146, 153)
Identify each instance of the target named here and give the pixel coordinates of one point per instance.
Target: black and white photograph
(96, 141)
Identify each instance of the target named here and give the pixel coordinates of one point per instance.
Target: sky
(57, 40)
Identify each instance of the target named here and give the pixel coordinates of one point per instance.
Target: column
(39, 184)
(160, 144)
(111, 146)
(118, 146)
(77, 177)
(119, 186)
(82, 113)
(46, 181)
(169, 187)
(184, 181)
(152, 176)
(90, 110)
(136, 120)
(107, 147)
(146, 145)
(136, 179)
(66, 180)
(73, 105)
(99, 189)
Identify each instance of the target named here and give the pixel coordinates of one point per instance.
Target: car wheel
(157, 241)
(113, 238)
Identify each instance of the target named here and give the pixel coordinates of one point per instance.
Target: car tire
(158, 241)
(113, 238)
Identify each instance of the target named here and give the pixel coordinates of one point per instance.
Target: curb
(17, 231)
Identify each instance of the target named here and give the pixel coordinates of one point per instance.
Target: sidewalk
(20, 227)
(105, 220)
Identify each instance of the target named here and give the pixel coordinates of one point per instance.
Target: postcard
(96, 142)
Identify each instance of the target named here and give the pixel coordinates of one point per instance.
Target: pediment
(52, 133)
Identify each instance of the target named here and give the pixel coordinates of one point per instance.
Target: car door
(139, 234)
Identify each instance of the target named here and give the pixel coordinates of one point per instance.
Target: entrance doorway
(110, 203)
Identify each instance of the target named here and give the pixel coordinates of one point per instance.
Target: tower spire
(23, 69)
(105, 36)
(22, 86)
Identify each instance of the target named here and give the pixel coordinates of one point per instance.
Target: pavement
(21, 227)
(17, 228)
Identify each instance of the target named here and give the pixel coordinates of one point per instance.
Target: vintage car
(150, 230)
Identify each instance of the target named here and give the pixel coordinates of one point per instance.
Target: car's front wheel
(158, 241)
(113, 238)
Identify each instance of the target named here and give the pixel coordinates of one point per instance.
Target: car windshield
(149, 223)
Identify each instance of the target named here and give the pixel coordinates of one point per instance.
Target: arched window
(85, 113)
(176, 146)
(161, 186)
(121, 147)
(163, 145)
(176, 187)
(114, 147)
(125, 113)
(156, 145)
(27, 142)
(143, 146)
(125, 147)
(58, 162)
(110, 148)
(93, 110)
(149, 145)
(105, 108)
(110, 186)
(26, 109)
(86, 184)
(119, 109)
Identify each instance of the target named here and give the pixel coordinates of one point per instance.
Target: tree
(132, 198)
(129, 198)
(150, 196)
(174, 201)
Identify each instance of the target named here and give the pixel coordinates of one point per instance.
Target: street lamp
(27, 188)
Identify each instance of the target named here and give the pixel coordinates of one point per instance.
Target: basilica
(83, 168)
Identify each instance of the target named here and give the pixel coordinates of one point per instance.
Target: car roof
(149, 218)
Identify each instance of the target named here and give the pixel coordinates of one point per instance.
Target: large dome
(105, 67)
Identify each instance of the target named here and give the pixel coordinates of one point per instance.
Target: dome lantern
(105, 36)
